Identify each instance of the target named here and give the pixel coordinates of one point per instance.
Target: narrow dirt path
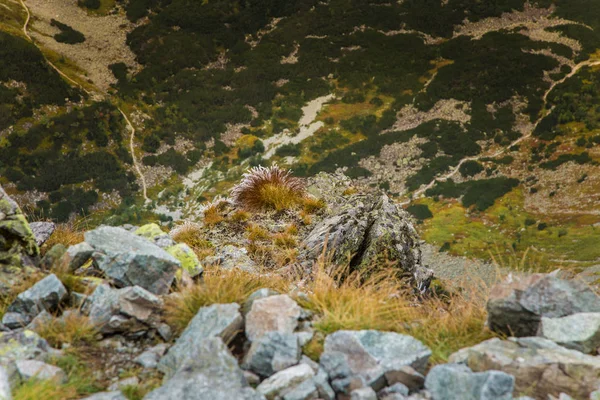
(97, 96)
(454, 171)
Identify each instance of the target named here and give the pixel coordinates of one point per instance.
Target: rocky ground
(113, 294)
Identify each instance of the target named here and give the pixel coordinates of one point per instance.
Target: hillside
(481, 118)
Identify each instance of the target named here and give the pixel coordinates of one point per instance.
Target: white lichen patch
(409, 117)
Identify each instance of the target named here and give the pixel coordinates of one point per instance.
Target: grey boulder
(516, 308)
(579, 331)
(212, 373)
(129, 309)
(283, 382)
(540, 366)
(29, 369)
(132, 260)
(272, 352)
(272, 314)
(116, 395)
(46, 294)
(76, 256)
(456, 381)
(217, 320)
(373, 355)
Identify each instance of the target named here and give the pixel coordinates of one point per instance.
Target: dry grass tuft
(66, 234)
(348, 301)
(256, 233)
(50, 389)
(240, 216)
(73, 329)
(311, 205)
(218, 286)
(213, 216)
(268, 188)
(192, 235)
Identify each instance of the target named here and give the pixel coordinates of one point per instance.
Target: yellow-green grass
(504, 225)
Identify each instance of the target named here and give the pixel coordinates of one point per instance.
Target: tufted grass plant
(73, 329)
(218, 286)
(66, 234)
(268, 188)
(27, 280)
(348, 301)
(192, 235)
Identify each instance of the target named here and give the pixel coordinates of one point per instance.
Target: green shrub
(470, 168)
(91, 4)
(420, 211)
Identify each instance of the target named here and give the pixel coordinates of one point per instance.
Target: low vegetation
(268, 188)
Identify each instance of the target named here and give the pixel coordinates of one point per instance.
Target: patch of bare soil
(105, 38)
(451, 110)
(533, 22)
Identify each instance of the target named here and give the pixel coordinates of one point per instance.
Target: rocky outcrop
(368, 232)
(212, 373)
(516, 308)
(132, 260)
(42, 231)
(18, 246)
(540, 366)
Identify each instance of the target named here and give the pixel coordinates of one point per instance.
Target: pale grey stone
(272, 352)
(282, 381)
(366, 393)
(46, 294)
(272, 314)
(132, 260)
(42, 231)
(222, 320)
(40, 370)
(579, 331)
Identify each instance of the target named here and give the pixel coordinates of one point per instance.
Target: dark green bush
(67, 34)
(420, 211)
(470, 168)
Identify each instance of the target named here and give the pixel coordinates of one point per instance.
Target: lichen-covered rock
(212, 374)
(217, 320)
(230, 257)
(42, 231)
(46, 294)
(516, 308)
(52, 256)
(540, 366)
(18, 247)
(188, 259)
(132, 260)
(23, 345)
(156, 235)
(364, 232)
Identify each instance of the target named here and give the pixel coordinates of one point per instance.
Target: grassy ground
(507, 225)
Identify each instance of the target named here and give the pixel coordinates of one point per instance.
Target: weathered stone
(76, 256)
(212, 373)
(579, 331)
(324, 389)
(132, 260)
(121, 310)
(39, 370)
(5, 393)
(540, 366)
(406, 376)
(116, 395)
(149, 358)
(52, 256)
(285, 381)
(187, 258)
(366, 393)
(18, 247)
(23, 345)
(395, 389)
(13, 320)
(230, 257)
(272, 314)
(516, 308)
(373, 354)
(222, 320)
(304, 391)
(42, 231)
(40, 320)
(365, 231)
(46, 294)
(123, 383)
(259, 294)
(456, 381)
(272, 352)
